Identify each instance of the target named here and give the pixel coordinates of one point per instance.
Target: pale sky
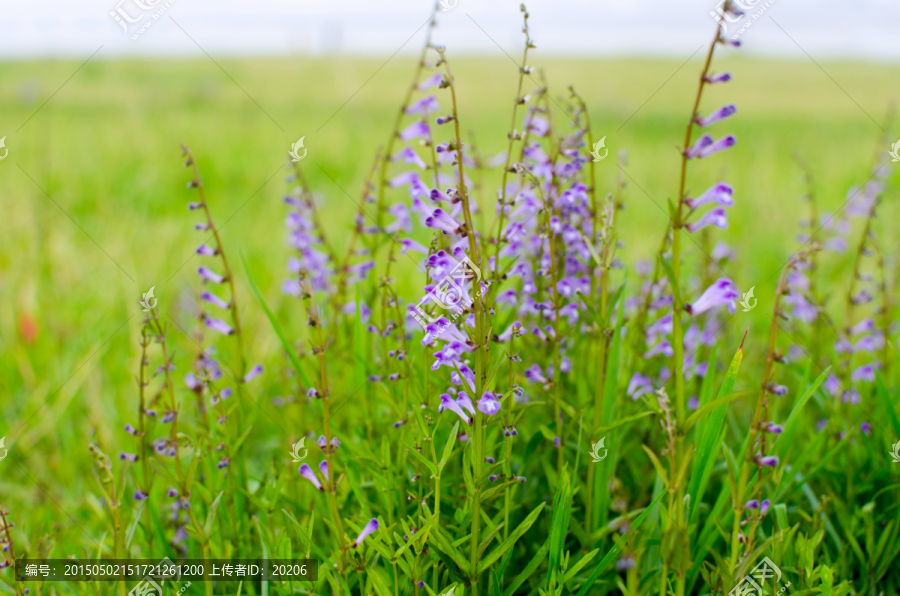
(828, 29)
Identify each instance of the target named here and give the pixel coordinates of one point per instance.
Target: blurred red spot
(28, 328)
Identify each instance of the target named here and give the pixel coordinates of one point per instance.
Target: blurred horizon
(802, 29)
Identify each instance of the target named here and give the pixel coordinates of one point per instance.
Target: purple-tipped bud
(720, 145)
(368, 529)
(715, 217)
(776, 389)
(421, 584)
(213, 299)
(139, 495)
(520, 479)
(775, 429)
(173, 493)
(492, 478)
(254, 372)
(866, 428)
(206, 251)
(489, 460)
(218, 325)
(194, 206)
(764, 507)
(766, 460)
(128, 457)
(323, 467)
(168, 417)
(307, 473)
(723, 77)
(209, 275)
(720, 194)
(720, 114)
(751, 504)
(223, 463)
(202, 227)
(312, 392)
(131, 430)
(721, 293)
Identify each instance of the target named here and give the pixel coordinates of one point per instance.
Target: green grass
(105, 148)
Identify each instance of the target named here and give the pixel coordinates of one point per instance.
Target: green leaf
(427, 463)
(509, 542)
(532, 566)
(716, 403)
(448, 447)
(278, 331)
(211, 517)
(135, 519)
(886, 400)
(712, 436)
(784, 439)
(445, 547)
(615, 550)
(624, 421)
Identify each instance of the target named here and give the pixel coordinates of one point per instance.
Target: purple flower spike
(720, 114)
(307, 473)
(489, 404)
(448, 403)
(723, 77)
(254, 372)
(368, 529)
(414, 131)
(213, 299)
(715, 217)
(721, 293)
(139, 495)
(210, 276)
(767, 460)
(720, 194)
(701, 144)
(128, 457)
(764, 507)
(752, 504)
(220, 326)
(206, 251)
(720, 145)
(323, 467)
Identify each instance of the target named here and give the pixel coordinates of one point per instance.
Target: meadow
(478, 469)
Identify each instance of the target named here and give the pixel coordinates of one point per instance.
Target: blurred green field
(102, 154)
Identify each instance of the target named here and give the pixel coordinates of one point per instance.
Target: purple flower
(764, 507)
(440, 220)
(213, 299)
(715, 217)
(489, 460)
(866, 428)
(536, 375)
(492, 478)
(206, 251)
(776, 389)
(720, 114)
(663, 347)
(702, 143)
(139, 495)
(335, 443)
(368, 529)
(410, 244)
(194, 206)
(489, 404)
(409, 155)
(223, 463)
(172, 493)
(775, 429)
(423, 106)
(720, 145)
(307, 473)
(766, 460)
(323, 467)
(218, 325)
(414, 130)
(751, 504)
(693, 403)
(131, 430)
(254, 372)
(210, 276)
(465, 402)
(431, 81)
(722, 292)
(863, 326)
(128, 457)
(720, 194)
(448, 403)
(865, 372)
(168, 417)
(639, 385)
